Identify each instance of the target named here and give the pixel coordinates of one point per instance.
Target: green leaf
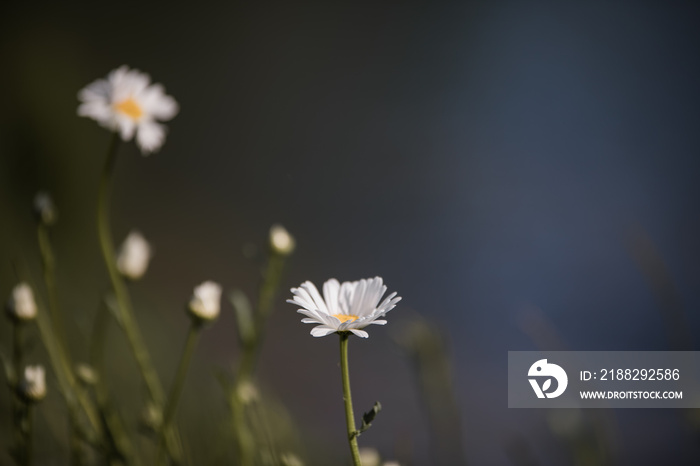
(369, 416)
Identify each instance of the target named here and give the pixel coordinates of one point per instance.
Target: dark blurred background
(524, 174)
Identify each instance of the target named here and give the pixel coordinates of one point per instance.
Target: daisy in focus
(346, 307)
(127, 102)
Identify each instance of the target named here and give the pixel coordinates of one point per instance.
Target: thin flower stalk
(118, 442)
(347, 398)
(49, 266)
(178, 384)
(251, 342)
(48, 262)
(126, 313)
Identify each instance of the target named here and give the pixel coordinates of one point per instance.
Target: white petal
(378, 322)
(150, 136)
(359, 333)
(331, 289)
(302, 293)
(157, 104)
(321, 331)
(127, 127)
(313, 291)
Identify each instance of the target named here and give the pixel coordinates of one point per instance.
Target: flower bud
(205, 303)
(86, 374)
(247, 393)
(32, 387)
(44, 208)
(21, 305)
(151, 417)
(281, 242)
(134, 256)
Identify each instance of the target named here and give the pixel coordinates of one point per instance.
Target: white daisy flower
(127, 102)
(134, 256)
(205, 303)
(346, 307)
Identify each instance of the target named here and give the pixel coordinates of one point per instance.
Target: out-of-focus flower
(86, 374)
(21, 305)
(281, 241)
(349, 307)
(247, 392)
(32, 387)
(205, 303)
(391, 463)
(134, 256)
(45, 209)
(127, 102)
(369, 457)
(151, 417)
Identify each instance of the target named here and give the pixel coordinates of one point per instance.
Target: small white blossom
(127, 102)
(33, 384)
(349, 307)
(21, 304)
(281, 241)
(134, 256)
(205, 303)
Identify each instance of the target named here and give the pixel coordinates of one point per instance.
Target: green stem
(128, 321)
(118, 442)
(124, 302)
(18, 406)
(17, 351)
(178, 384)
(49, 266)
(29, 441)
(347, 398)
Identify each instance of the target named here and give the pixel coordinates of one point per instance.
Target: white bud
(151, 417)
(281, 241)
(134, 256)
(370, 457)
(21, 304)
(247, 392)
(205, 303)
(33, 384)
(86, 374)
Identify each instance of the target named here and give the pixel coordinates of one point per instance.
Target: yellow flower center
(344, 318)
(130, 108)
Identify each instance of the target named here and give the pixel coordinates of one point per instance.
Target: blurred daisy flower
(346, 307)
(127, 102)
